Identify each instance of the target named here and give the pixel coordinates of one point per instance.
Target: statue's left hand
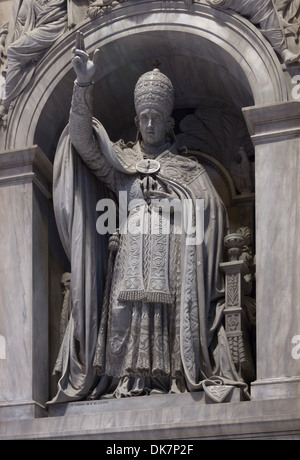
(85, 68)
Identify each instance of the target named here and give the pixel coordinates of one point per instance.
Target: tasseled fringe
(159, 297)
(131, 296)
(143, 296)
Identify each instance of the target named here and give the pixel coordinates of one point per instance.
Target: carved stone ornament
(154, 90)
(281, 30)
(235, 243)
(217, 393)
(148, 166)
(99, 7)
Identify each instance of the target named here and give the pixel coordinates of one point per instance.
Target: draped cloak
(199, 298)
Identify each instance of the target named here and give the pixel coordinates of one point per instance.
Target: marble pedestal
(25, 187)
(185, 417)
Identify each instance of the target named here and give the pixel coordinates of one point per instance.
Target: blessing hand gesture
(85, 68)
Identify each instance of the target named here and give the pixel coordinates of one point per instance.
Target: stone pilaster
(275, 132)
(25, 188)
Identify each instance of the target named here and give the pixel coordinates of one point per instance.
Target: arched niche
(211, 54)
(204, 51)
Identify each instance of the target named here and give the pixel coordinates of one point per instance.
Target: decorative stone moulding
(234, 242)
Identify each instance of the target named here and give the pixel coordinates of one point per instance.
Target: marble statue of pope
(155, 324)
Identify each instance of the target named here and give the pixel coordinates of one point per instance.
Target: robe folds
(28, 39)
(259, 12)
(148, 318)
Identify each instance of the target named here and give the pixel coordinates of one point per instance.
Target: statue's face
(153, 126)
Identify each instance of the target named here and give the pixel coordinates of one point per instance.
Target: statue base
(183, 416)
(141, 404)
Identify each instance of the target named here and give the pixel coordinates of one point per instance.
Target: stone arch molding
(243, 53)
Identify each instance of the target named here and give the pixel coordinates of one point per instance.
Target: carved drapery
(289, 12)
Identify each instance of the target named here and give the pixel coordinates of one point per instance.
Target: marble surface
(210, 47)
(243, 420)
(25, 186)
(226, 58)
(5, 9)
(139, 403)
(275, 133)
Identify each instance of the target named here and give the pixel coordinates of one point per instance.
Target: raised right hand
(85, 68)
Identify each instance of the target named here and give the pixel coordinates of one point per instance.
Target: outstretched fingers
(78, 65)
(79, 48)
(79, 41)
(81, 54)
(97, 56)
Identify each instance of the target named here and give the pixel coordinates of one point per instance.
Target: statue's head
(154, 100)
